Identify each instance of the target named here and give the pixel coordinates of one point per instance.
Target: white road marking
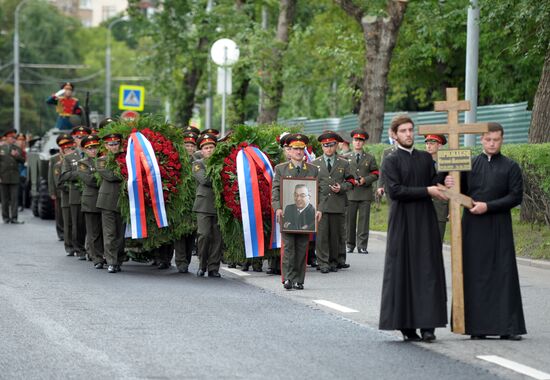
(335, 306)
(515, 366)
(236, 271)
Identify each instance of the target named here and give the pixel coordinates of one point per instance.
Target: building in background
(91, 12)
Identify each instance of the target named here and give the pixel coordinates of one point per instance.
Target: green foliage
(181, 219)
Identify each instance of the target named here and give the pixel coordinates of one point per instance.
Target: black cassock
(413, 290)
(492, 297)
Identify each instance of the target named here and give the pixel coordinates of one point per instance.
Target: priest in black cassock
(413, 291)
(492, 296)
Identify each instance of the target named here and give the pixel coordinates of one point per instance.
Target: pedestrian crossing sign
(131, 97)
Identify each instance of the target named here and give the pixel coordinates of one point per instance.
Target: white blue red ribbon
(140, 155)
(249, 159)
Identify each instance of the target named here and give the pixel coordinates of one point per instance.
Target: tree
(380, 35)
(272, 73)
(540, 122)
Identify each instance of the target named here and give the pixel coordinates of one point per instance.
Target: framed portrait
(299, 205)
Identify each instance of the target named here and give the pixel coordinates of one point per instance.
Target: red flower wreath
(231, 185)
(168, 160)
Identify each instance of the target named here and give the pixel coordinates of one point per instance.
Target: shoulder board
(197, 167)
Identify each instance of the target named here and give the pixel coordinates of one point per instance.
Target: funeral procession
(275, 189)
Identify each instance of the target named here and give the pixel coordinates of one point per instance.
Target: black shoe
(118, 268)
(511, 337)
(183, 270)
(325, 270)
(270, 271)
(232, 265)
(98, 266)
(164, 266)
(343, 266)
(154, 263)
(82, 258)
(428, 336)
(7, 221)
(287, 285)
(298, 286)
(258, 269)
(478, 337)
(15, 221)
(214, 273)
(318, 267)
(70, 254)
(410, 335)
(363, 251)
(333, 269)
(200, 273)
(111, 269)
(350, 250)
(60, 238)
(245, 268)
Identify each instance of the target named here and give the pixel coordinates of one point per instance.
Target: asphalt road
(62, 319)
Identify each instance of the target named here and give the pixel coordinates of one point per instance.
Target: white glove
(60, 93)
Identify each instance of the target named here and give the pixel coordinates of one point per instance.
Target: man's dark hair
(301, 185)
(496, 127)
(399, 120)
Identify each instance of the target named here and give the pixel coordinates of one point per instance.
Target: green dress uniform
(66, 213)
(69, 176)
(362, 165)
(183, 247)
(295, 245)
(331, 231)
(92, 214)
(54, 171)
(111, 219)
(208, 230)
(9, 180)
(381, 179)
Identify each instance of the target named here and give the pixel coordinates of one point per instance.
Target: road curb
(542, 264)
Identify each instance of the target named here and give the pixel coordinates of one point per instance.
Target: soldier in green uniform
(107, 202)
(69, 176)
(365, 170)
(295, 245)
(335, 179)
(67, 146)
(433, 144)
(10, 158)
(54, 171)
(184, 245)
(208, 230)
(92, 215)
(381, 189)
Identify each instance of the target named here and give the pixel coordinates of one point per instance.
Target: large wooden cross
(453, 129)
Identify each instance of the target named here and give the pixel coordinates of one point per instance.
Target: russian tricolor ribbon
(141, 157)
(249, 159)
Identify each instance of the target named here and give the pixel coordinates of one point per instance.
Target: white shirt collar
(410, 150)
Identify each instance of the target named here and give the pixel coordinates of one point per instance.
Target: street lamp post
(16, 104)
(108, 66)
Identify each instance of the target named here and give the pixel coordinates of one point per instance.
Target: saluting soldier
(67, 145)
(66, 105)
(69, 176)
(335, 179)
(186, 243)
(295, 246)
(10, 158)
(107, 202)
(208, 230)
(433, 144)
(365, 170)
(92, 215)
(54, 171)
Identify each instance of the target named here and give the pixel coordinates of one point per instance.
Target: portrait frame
(293, 221)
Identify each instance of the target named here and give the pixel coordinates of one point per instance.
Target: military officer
(92, 215)
(433, 144)
(69, 176)
(381, 187)
(54, 171)
(208, 230)
(295, 245)
(211, 132)
(365, 170)
(68, 147)
(10, 158)
(107, 202)
(335, 179)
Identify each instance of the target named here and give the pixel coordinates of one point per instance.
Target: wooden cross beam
(453, 130)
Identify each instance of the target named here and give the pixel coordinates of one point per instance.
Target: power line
(8, 79)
